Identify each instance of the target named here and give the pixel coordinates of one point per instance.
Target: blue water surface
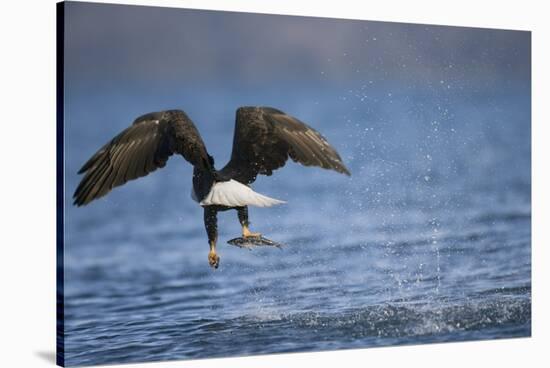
(427, 241)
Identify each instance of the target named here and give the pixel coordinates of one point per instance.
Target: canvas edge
(60, 183)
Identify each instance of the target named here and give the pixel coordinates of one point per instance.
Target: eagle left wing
(139, 150)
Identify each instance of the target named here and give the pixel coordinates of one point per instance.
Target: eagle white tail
(234, 194)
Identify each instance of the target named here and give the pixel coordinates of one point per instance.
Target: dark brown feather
(266, 137)
(139, 150)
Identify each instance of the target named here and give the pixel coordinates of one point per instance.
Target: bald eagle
(263, 141)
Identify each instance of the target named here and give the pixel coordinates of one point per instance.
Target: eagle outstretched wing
(266, 137)
(140, 149)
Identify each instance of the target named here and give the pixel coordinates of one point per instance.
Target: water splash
(435, 225)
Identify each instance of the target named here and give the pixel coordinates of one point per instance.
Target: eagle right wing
(266, 137)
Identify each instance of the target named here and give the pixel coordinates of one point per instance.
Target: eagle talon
(252, 235)
(248, 234)
(213, 260)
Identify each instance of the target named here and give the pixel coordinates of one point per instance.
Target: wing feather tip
(77, 202)
(344, 170)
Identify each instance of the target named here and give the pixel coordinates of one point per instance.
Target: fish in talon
(251, 242)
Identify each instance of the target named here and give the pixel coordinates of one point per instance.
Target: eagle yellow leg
(243, 219)
(211, 224)
(213, 258)
(247, 233)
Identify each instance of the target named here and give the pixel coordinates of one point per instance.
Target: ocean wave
(407, 319)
